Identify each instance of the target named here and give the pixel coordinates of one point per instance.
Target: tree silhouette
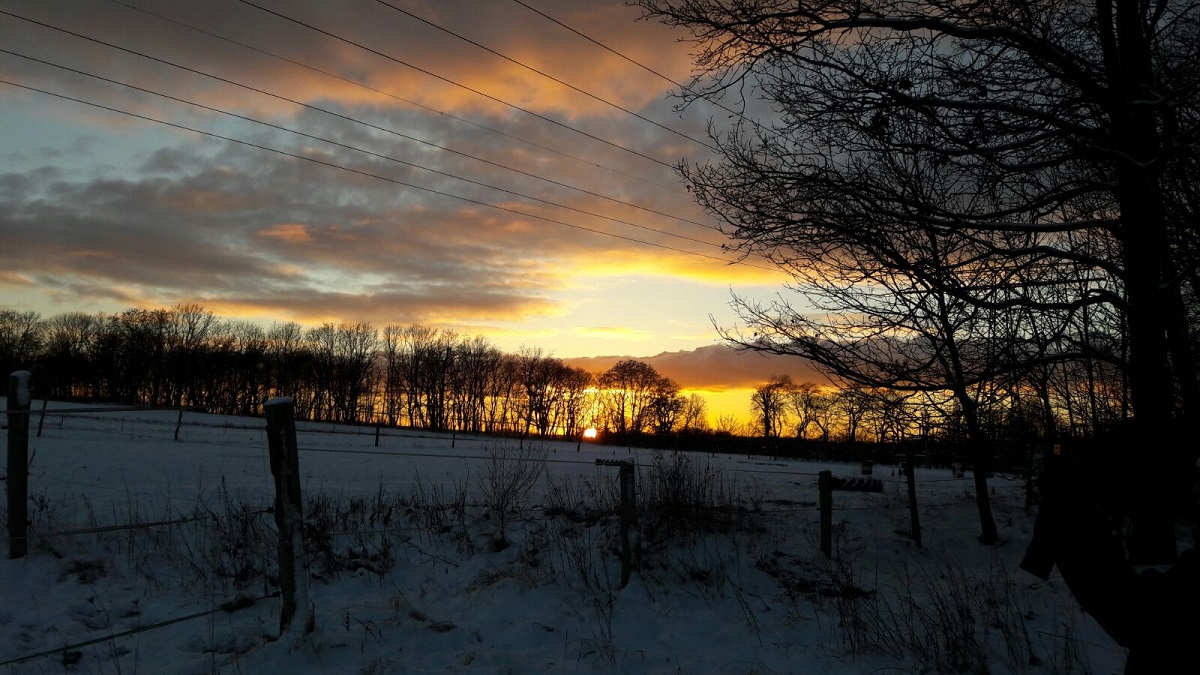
(769, 403)
(1009, 161)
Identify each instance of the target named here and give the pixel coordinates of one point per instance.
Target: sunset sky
(432, 181)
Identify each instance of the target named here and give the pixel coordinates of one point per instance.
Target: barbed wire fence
(147, 423)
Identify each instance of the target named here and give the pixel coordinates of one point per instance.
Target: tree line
(411, 376)
(982, 196)
(1059, 401)
(966, 194)
(422, 377)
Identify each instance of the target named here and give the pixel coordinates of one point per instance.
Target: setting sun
(590, 433)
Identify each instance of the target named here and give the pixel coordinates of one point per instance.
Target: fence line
(369, 432)
(51, 412)
(441, 455)
(118, 528)
(229, 607)
(125, 490)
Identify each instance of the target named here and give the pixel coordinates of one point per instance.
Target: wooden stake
(910, 473)
(285, 467)
(631, 552)
(178, 423)
(825, 487)
(42, 418)
(18, 463)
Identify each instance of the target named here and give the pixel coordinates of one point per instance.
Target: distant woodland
(422, 377)
(413, 376)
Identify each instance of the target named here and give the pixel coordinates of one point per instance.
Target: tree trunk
(980, 459)
(1143, 236)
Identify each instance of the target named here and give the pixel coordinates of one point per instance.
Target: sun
(590, 433)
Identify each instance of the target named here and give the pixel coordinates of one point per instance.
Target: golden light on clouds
(621, 262)
(614, 333)
(561, 227)
(291, 233)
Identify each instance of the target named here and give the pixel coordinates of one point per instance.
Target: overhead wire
(395, 97)
(369, 174)
(447, 80)
(364, 151)
(682, 87)
(599, 44)
(546, 75)
(354, 120)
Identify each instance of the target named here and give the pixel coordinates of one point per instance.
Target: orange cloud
(291, 233)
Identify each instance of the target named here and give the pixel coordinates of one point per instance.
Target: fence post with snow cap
(297, 612)
(18, 463)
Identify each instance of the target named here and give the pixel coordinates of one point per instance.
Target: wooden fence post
(178, 423)
(42, 418)
(18, 463)
(631, 552)
(285, 467)
(825, 487)
(910, 473)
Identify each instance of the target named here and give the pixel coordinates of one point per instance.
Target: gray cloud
(122, 211)
(715, 367)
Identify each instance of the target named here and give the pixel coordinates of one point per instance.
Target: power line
(436, 111)
(601, 45)
(546, 75)
(682, 87)
(368, 174)
(354, 120)
(357, 149)
(459, 84)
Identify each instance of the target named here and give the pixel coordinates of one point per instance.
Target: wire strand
(682, 87)
(329, 112)
(369, 174)
(447, 80)
(395, 97)
(390, 158)
(546, 75)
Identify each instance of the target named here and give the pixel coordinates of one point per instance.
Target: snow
(418, 594)
(22, 380)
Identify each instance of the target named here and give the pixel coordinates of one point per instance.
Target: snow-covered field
(408, 574)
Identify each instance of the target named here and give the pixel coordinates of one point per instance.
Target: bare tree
(68, 369)
(769, 403)
(1052, 129)
(357, 348)
(1037, 144)
(694, 416)
(810, 405)
(578, 400)
(628, 388)
(666, 406)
